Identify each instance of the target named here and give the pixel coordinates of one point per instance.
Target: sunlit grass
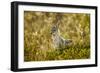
(38, 42)
(69, 54)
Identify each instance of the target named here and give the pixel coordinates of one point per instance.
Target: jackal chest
(56, 41)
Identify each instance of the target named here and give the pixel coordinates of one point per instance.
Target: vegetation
(37, 37)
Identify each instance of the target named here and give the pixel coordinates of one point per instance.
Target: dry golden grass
(37, 37)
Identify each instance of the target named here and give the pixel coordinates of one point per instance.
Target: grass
(66, 54)
(37, 37)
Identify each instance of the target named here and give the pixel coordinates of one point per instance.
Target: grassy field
(37, 37)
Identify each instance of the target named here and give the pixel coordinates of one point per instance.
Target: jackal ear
(55, 26)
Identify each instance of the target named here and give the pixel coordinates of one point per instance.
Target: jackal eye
(54, 29)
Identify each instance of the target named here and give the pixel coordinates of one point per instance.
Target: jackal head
(54, 30)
